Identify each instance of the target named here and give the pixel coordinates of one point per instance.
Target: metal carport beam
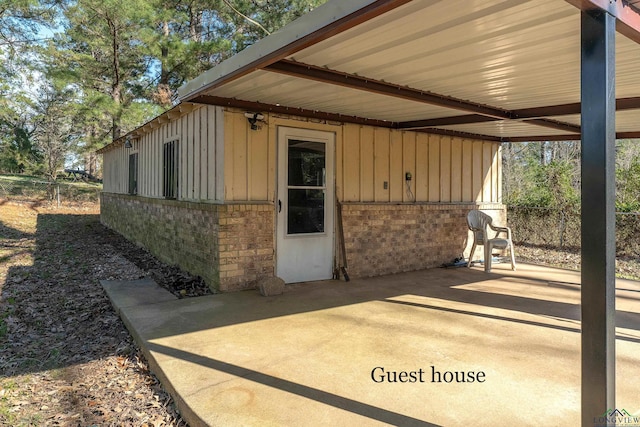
(622, 104)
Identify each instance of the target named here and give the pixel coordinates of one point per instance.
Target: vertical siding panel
(151, 163)
(106, 172)
(150, 172)
(144, 162)
(186, 128)
(175, 133)
(339, 166)
(179, 136)
(487, 162)
(478, 179)
(125, 168)
(467, 171)
(141, 177)
(396, 175)
(154, 163)
(118, 171)
(155, 180)
(211, 153)
(239, 157)
(229, 164)
(249, 160)
(381, 164)
(499, 161)
(421, 177)
(183, 184)
(366, 164)
(149, 147)
(272, 163)
(196, 155)
(149, 154)
(190, 156)
(434, 168)
(203, 158)
(161, 136)
(258, 166)
(115, 157)
(152, 149)
(456, 170)
(221, 130)
(408, 165)
(160, 139)
(445, 168)
(151, 143)
(112, 170)
(351, 148)
(494, 172)
(113, 160)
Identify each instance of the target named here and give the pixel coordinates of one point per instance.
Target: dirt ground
(65, 356)
(66, 359)
(627, 267)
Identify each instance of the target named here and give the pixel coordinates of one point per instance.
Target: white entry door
(305, 205)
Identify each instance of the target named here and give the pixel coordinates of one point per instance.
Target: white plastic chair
(481, 225)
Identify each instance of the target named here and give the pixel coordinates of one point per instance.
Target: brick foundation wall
(229, 246)
(385, 239)
(246, 245)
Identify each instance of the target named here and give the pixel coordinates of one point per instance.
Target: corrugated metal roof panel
(504, 129)
(626, 121)
(273, 88)
(494, 52)
(507, 54)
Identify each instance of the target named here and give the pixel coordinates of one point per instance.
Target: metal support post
(598, 214)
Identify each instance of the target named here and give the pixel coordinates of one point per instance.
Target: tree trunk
(164, 54)
(116, 87)
(195, 24)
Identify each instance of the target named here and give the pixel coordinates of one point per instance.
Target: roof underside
(503, 70)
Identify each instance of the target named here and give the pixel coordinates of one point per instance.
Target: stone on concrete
(270, 286)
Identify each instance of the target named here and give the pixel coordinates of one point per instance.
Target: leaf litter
(66, 358)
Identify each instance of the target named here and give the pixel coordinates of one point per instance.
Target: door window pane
(306, 163)
(306, 211)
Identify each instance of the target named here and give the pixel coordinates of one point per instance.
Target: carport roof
(499, 70)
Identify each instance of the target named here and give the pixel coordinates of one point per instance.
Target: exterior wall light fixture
(253, 119)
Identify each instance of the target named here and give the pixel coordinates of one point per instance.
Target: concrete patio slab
(333, 353)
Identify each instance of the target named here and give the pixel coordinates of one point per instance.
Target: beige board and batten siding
(251, 155)
(115, 176)
(199, 134)
(444, 169)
